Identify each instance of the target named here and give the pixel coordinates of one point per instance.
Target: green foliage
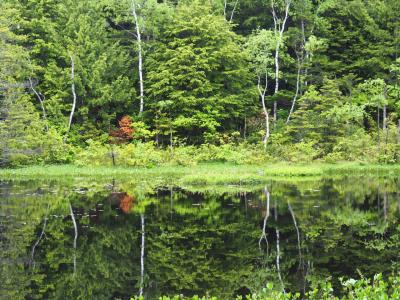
(25, 140)
(148, 155)
(198, 77)
(202, 62)
(301, 152)
(361, 289)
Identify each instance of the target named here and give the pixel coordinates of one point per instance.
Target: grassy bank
(204, 174)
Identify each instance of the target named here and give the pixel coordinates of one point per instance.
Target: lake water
(84, 239)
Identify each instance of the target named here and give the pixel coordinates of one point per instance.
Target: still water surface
(113, 240)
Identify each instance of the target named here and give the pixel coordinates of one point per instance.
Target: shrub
(301, 152)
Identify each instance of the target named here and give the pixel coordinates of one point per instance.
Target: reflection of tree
(264, 233)
(142, 255)
(76, 234)
(42, 233)
(208, 248)
(333, 227)
(108, 260)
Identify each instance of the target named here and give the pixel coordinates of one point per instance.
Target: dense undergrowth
(362, 289)
(149, 155)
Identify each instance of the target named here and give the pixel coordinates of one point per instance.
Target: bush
(301, 153)
(362, 289)
(25, 140)
(148, 155)
(138, 155)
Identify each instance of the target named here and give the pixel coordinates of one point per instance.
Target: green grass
(206, 174)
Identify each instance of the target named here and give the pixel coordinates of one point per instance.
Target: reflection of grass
(207, 174)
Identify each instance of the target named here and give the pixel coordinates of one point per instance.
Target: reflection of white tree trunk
(171, 201)
(385, 205)
(278, 253)
(142, 256)
(264, 234)
(245, 202)
(298, 234)
(40, 237)
(398, 203)
(76, 234)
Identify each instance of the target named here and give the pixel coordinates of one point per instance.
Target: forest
(151, 82)
(200, 149)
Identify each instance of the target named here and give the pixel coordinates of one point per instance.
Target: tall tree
(199, 73)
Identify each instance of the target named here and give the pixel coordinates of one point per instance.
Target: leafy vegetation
(353, 289)
(224, 93)
(183, 82)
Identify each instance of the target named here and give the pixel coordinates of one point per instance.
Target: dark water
(208, 241)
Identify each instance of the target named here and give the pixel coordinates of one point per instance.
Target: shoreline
(207, 173)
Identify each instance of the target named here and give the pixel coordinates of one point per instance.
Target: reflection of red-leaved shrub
(126, 203)
(124, 133)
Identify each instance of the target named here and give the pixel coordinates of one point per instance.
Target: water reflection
(113, 241)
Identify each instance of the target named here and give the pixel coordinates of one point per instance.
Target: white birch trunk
(73, 93)
(262, 92)
(297, 90)
(279, 30)
(41, 100)
(140, 56)
(225, 7)
(233, 11)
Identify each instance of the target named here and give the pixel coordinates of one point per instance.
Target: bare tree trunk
(398, 132)
(385, 126)
(233, 11)
(379, 128)
(171, 142)
(379, 200)
(264, 234)
(73, 93)
(278, 253)
(298, 234)
(245, 128)
(385, 205)
(140, 56)
(307, 54)
(142, 256)
(31, 261)
(113, 155)
(279, 29)
(384, 121)
(171, 201)
(76, 234)
(263, 92)
(225, 7)
(297, 89)
(41, 100)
